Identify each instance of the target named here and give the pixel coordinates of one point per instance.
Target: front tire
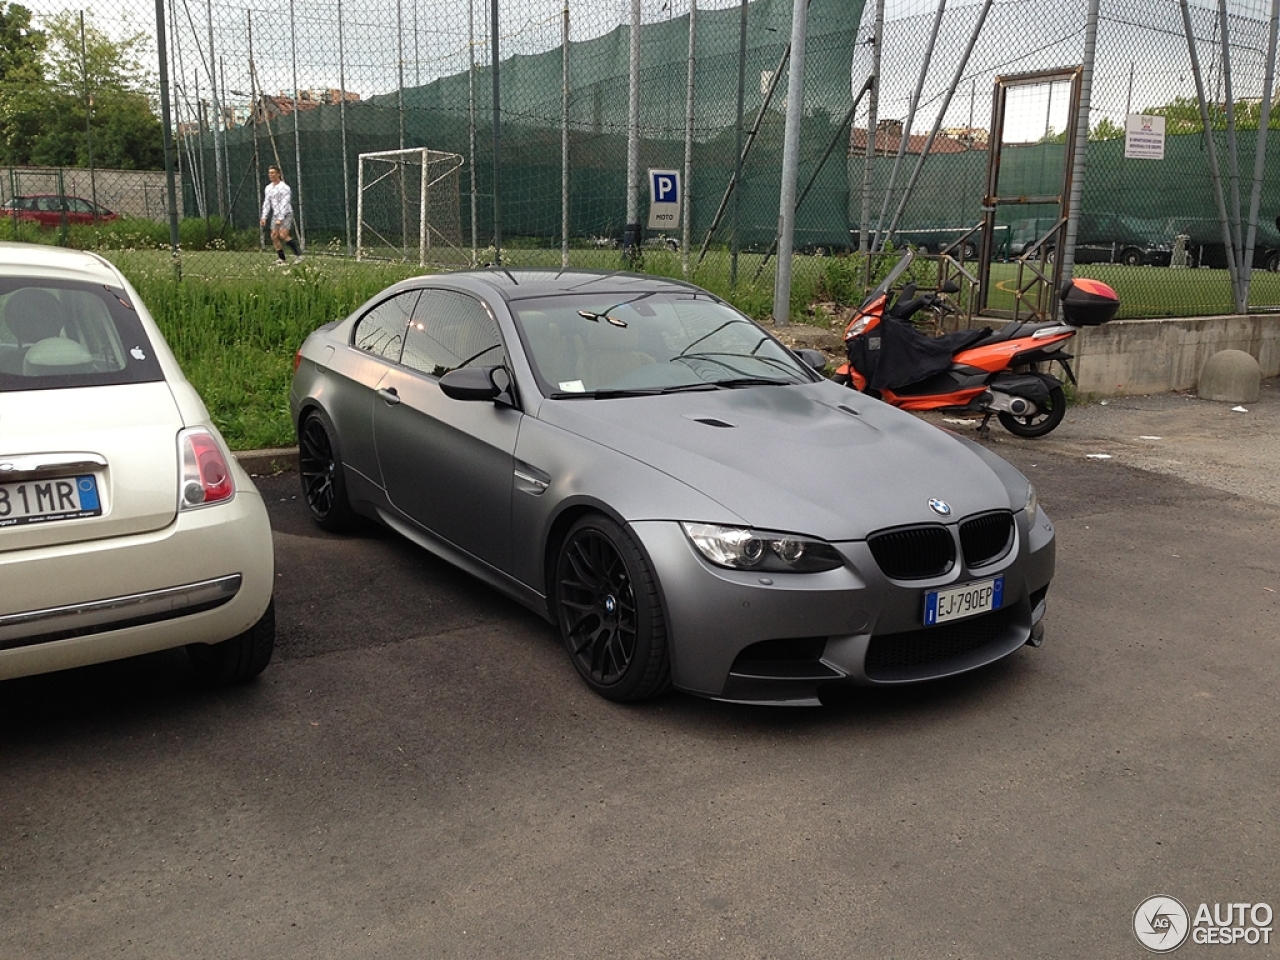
(609, 612)
(239, 659)
(1044, 420)
(323, 484)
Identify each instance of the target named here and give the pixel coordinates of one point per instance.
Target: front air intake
(986, 538)
(913, 553)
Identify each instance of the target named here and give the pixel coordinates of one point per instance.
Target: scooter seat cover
(894, 354)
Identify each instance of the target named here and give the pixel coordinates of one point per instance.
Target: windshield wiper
(754, 382)
(632, 392)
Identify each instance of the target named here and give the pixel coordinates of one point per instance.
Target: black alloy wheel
(609, 613)
(320, 468)
(1048, 415)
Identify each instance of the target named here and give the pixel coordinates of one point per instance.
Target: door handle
(389, 395)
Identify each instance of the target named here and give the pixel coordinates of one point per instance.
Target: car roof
(47, 261)
(523, 283)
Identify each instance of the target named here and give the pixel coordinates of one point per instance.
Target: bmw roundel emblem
(940, 507)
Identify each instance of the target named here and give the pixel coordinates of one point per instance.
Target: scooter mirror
(950, 287)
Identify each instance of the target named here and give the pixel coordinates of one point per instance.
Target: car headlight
(740, 548)
(1033, 505)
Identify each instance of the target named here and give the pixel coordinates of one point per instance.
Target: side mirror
(814, 358)
(950, 287)
(471, 383)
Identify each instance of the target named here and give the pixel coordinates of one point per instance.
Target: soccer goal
(408, 207)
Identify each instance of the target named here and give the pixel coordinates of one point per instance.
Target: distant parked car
(1206, 248)
(126, 526)
(1104, 238)
(49, 209)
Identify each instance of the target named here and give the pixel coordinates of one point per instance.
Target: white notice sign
(1143, 137)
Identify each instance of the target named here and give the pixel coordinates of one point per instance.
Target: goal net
(408, 207)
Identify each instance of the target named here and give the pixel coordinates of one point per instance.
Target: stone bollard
(1232, 376)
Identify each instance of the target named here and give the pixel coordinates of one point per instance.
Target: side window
(79, 206)
(381, 330)
(451, 330)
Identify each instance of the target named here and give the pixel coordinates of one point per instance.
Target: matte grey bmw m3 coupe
(688, 501)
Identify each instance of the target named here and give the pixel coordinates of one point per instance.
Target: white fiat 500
(126, 526)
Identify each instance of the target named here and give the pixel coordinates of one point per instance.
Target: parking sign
(664, 199)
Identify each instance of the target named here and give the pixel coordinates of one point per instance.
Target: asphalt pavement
(420, 773)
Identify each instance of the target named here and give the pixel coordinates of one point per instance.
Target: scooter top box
(1088, 303)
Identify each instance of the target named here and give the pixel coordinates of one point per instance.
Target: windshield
(632, 344)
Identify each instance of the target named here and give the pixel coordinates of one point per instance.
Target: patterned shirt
(277, 202)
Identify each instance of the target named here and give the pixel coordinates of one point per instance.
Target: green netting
(437, 115)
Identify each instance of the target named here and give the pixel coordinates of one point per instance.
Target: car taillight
(206, 477)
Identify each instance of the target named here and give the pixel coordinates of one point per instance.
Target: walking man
(277, 209)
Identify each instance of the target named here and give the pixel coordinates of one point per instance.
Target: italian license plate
(44, 501)
(967, 600)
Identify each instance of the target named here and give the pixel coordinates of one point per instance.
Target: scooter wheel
(1048, 416)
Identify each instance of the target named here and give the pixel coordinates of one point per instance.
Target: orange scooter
(992, 372)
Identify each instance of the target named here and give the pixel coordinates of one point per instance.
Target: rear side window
(58, 334)
(381, 330)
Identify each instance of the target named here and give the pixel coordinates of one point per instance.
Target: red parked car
(48, 210)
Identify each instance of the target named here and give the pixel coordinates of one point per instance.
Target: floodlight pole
(497, 139)
(790, 164)
(685, 202)
(1211, 151)
(1264, 122)
(166, 123)
(1076, 188)
(873, 106)
(631, 233)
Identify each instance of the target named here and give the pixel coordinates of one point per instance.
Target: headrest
(32, 314)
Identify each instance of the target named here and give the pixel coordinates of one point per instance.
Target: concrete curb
(263, 463)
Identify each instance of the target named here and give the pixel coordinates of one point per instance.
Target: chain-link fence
(314, 87)
(1140, 209)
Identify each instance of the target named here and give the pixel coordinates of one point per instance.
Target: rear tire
(609, 612)
(1131, 258)
(239, 659)
(323, 484)
(1046, 418)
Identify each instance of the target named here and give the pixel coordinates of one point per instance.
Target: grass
(235, 322)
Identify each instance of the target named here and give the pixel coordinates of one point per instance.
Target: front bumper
(783, 638)
(205, 578)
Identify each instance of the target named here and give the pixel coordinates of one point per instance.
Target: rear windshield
(57, 334)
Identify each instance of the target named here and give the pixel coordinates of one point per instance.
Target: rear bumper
(205, 578)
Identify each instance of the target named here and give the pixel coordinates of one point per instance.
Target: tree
(20, 46)
(86, 84)
(1106, 129)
